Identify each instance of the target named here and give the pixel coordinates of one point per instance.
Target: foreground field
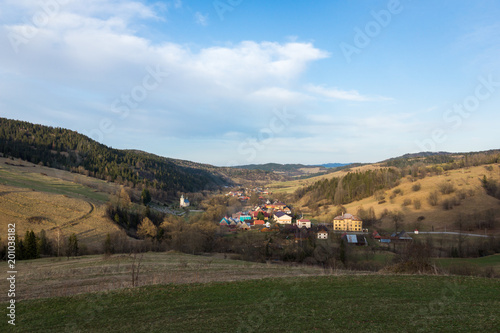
(372, 303)
(51, 277)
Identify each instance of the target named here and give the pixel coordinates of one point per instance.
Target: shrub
(381, 202)
(433, 198)
(416, 187)
(446, 188)
(407, 202)
(417, 204)
(462, 194)
(450, 203)
(397, 191)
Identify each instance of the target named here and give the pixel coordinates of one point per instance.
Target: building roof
(303, 220)
(279, 214)
(347, 216)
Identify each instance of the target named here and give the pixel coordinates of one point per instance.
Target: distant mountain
(334, 165)
(294, 170)
(273, 167)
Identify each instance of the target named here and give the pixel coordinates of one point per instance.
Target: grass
(49, 277)
(48, 184)
(483, 262)
(373, 303)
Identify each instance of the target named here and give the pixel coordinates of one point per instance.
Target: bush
(446, 188)
(417, 204)
(462, 194)
(397, 191)
(407, 202)
(433, 198)
(450, 203)
(416, 187)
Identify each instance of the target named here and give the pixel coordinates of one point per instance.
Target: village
(276, 216)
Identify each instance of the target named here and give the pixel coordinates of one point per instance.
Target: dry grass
(467, 185)
(291, 186)
(51, 277)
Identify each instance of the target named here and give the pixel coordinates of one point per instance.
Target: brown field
(35, 198)
(49, 277)
(33, 210)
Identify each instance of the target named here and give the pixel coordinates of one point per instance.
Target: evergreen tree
(72, 249)
(145, 196)
(30, 245)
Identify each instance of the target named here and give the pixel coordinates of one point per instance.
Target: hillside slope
(460, 196)
(61, 203)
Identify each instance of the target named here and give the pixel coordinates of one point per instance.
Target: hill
(36, 197)
(287, 170)
(436, 202)
(68, 150)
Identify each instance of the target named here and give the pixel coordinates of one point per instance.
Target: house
(184, 202)
(403, 236)
(245, 218)
(282, 218)
(258, 222)
(322, 234)
(304, 223)
(224, 222)
(354, 239)
(347, 222)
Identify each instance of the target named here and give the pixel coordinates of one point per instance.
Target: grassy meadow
(36, 197)
(369, 303)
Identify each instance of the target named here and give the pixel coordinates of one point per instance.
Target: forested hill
(65, 149)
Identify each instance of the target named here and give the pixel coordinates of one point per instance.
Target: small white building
(304, 223)
(184, 202)
(323, 234)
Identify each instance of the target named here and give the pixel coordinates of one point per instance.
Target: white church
(184, 202)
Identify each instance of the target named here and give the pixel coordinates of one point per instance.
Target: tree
(145, 196)
(108, 245)
(397, 218)
(147, 229)
(261, 216)
(44, 244)
(30, 245)
(72, 248)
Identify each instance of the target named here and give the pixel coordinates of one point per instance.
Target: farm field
(48, 277)
(369, 303)
(474, 264)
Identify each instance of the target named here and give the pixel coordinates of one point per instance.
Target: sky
(234, 82)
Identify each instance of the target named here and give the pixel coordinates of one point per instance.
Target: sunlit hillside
(459, 192)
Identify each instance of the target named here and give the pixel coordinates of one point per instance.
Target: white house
(323, 234)
(304, 223)
(282, 218)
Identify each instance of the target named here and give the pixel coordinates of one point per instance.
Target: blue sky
(234, 82)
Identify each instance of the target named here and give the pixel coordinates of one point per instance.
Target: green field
(42, 183)
(492, 261)
(368, 303)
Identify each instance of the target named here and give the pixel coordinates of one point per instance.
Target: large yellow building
(347, 222)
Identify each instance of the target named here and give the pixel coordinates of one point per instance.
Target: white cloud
(345, 95)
